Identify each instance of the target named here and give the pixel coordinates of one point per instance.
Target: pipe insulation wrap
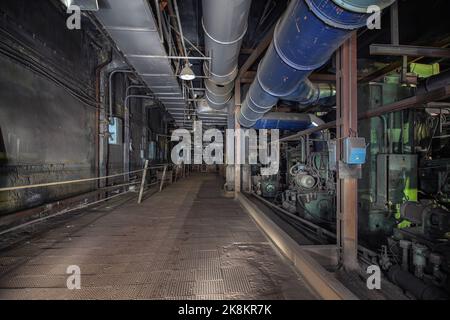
(218, 95)
(225, 25)
(305, 38)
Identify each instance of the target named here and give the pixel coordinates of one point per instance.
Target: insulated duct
(288, 121)
(308, 93)
(134, 29)
(225, 25)
(304, 40)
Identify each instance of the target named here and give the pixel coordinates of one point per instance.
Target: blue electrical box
(354, 151)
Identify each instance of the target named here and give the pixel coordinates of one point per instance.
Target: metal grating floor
(188, 242)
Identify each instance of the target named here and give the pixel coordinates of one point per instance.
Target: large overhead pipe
(308, 93)
(288, 121)
(225, 25)
(304, 40)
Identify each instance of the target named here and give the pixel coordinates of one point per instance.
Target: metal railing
(175, 175)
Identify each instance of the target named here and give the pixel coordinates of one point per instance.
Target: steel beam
(442, 43)
(410, 51)
(237, 143)
(259, 50)
(347, 122)
(408, 103)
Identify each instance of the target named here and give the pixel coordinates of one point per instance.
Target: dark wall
(48, 106)
(47, 134)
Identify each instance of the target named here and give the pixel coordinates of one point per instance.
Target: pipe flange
(214, 105)
(258, 115)
(332, 23)
(221, 79)
(246, 124)
(265, 109)
(223, 88)
(361, 6)
(224, 42)
(268, 91)
(247, 119)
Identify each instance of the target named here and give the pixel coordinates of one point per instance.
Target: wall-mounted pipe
(126, 130)
(415, 286)
(110, 87)
(304, 40)
(101, 118)
(434, 82)
(225, 25)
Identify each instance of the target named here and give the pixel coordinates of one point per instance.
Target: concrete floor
(188, 242)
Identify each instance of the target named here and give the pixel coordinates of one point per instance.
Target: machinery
(266, 186)
(403, 190)
(310, 191)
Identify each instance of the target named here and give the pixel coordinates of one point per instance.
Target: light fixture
(314, 124)
(85, 5)
(186, 73)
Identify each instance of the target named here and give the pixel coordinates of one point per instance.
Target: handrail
(74, 181)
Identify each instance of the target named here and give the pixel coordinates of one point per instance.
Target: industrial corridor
(188, 242)
(261, 152)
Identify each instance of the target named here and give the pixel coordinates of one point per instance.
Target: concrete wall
(46, 134)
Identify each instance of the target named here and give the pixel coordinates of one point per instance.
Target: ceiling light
(88, 5)
(187, 74)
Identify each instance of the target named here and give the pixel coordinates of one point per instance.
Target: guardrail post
(144, 176)
(163, 178)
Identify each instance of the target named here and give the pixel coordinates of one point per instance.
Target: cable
(85, 100)
(36, 55)
(74, 181)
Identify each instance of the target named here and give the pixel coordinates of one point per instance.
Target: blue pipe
(287, 121)
(305, 38)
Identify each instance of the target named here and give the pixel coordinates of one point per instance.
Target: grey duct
(225, 25)
(309, 93)
(134, 29)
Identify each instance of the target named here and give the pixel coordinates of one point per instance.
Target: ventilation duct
(308, 93)
(225, 25)
(133, 28)
(304, 40)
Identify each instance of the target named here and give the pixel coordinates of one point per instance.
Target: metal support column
(144, 177)
(347, 125)
(395, 38)
(237, 144)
